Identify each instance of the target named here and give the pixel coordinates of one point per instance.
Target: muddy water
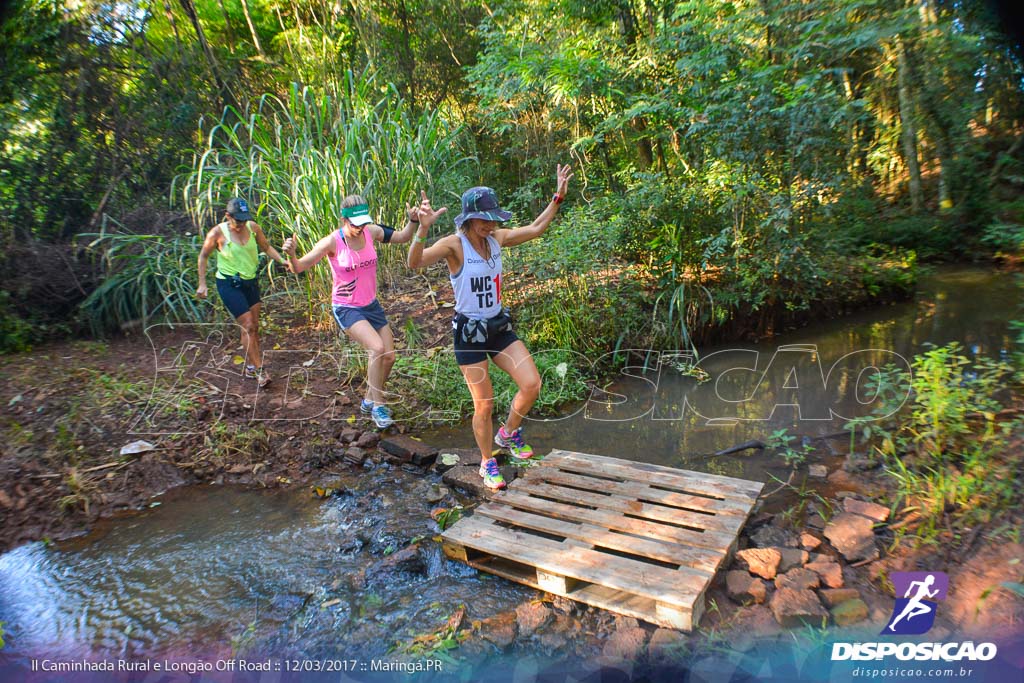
(807, 381)
(213, 571)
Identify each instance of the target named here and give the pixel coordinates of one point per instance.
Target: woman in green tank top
(238, 241)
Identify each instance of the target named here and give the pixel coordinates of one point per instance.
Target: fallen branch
(746, 445)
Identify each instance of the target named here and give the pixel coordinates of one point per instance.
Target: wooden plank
(729, 526)
(640, 491)
(711, 485)
(695, 558)
(678, 587)
(615, 520)
(592, 594)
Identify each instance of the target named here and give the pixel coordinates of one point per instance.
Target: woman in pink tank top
(352, 256)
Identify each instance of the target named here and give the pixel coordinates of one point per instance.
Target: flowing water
(217, 571)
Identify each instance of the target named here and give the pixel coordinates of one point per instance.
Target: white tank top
(477, 285)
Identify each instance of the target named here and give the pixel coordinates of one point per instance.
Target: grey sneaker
(382, 417)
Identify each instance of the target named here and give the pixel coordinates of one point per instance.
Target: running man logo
(914, 613)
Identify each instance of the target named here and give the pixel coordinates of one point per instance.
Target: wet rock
(842, 479)
(435, 494)
(665, 644)
(563, 604)
(408, 449)
(772, 536)
(355, 456)
(499, 630)
(530, 616)
(874, 511)
(791, 557)
(467, 478)
(347, 435)
(794, 608)
(849, 612)
(817, 471)
(625, 643)
(761, 561)
(408, 559)
(745, 589)
(859, 462)
(853, 536)
(834, 596)
(368, 440)
(552, 642)
(751, 625)
(445, 461)
(798, 579)
(830, 573)
(815, 521)
(809, 541)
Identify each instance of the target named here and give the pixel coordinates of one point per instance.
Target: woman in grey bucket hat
(482, 327)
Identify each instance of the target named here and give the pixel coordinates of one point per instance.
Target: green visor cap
(357, 210)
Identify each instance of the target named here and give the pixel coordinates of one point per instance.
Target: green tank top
(235, 258)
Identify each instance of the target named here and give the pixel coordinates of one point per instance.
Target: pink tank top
(354, 272)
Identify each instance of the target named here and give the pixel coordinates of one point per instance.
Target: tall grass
(146, 277)
(296, 158)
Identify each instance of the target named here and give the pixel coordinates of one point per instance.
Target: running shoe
(382, 417)
(492, 474)
(261, 376)
(365, 407)
(514, 442)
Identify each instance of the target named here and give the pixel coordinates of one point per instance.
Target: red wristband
(558, 199)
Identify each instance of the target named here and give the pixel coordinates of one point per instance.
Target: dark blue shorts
(373, 313)
(469, 353)
(240, 299)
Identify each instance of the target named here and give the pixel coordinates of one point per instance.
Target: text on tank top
(354, 272)
(477, 285)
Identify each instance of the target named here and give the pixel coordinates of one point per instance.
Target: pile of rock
(801, 579)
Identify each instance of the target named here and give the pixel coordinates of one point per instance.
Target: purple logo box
(901, 583)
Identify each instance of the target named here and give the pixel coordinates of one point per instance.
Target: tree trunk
(252, 29)
(908, 127)
(227, 26)
(211, 60)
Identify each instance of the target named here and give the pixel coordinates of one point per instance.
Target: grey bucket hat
(481, 202)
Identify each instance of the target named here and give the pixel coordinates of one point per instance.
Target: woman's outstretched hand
(427, 215)
(564, 174)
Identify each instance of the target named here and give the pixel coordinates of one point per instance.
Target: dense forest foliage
(769, 156)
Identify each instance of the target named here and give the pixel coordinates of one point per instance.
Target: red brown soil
(64, 419)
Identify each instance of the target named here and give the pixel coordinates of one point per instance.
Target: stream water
(215, 571)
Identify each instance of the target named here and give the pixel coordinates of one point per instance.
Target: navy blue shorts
(240, 299)
(373, 313)
(469, 353)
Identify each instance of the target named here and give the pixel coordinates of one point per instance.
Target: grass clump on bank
(438, 391)
(948, 438)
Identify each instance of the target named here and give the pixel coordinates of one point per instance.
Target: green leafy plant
(781, 441)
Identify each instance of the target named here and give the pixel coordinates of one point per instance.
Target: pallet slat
(637, 539)
(612, 520)
(696, 558)
(707, 524)
(673, 587)
(711, 485)
(641, 491)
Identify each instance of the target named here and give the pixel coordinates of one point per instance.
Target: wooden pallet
(633, 538)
